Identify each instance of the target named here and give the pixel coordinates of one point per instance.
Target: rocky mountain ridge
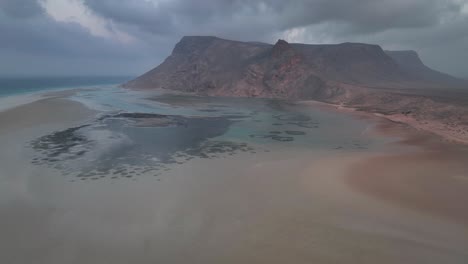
(214, 66)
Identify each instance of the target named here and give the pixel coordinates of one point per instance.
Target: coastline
(454, 135)
(44, 112)
(430, 177)
(429, 180)
(12, 101)
(245, 208)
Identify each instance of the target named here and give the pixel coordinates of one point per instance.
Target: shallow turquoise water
(254, 119)
(147, 132)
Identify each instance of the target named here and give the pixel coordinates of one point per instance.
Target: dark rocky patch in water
(53, 146)
(292, 117)
(209, 110)
(282, 138)
(139, 115)
(300, 120)
(305, 124)
(295, 133)
(214, 149)
(275, 132)
(274, 137)
(117, 146)
(149, 119)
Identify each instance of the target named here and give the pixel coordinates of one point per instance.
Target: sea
(10, 86)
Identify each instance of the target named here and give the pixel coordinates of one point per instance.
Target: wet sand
(431, 178)
(276, 207)
(54, 110)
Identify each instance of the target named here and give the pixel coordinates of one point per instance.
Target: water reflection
(125, 144)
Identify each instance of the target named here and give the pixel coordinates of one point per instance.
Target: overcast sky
(129, 37)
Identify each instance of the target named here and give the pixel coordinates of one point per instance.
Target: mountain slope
(352, 63)
(409, 61)
(214, 66)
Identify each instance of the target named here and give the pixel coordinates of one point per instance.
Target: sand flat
(430, 180)
(269, 207)
(44, 111)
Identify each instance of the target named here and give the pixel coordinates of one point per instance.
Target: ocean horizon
(22, 85)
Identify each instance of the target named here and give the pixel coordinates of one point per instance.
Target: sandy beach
(432, 178)
(305, 206)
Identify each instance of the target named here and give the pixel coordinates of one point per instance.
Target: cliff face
(214, 66)
(354, 63)
(409, 61)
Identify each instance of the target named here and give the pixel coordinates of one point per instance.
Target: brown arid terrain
(364, 77)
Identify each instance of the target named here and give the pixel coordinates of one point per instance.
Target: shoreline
(10, 102)
(426, 126)
(430, 178)
(48, 112)
(453, 134)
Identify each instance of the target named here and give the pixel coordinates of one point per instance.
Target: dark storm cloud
(437, 28)
(271, 15)
(32, 38)
(366, 15)
(237, 19)
(47, 37)
(141, 14)
(433, 27)
(20, 8)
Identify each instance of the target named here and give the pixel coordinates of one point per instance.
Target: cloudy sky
(128, 37)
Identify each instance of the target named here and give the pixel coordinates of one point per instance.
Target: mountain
(214, 66)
